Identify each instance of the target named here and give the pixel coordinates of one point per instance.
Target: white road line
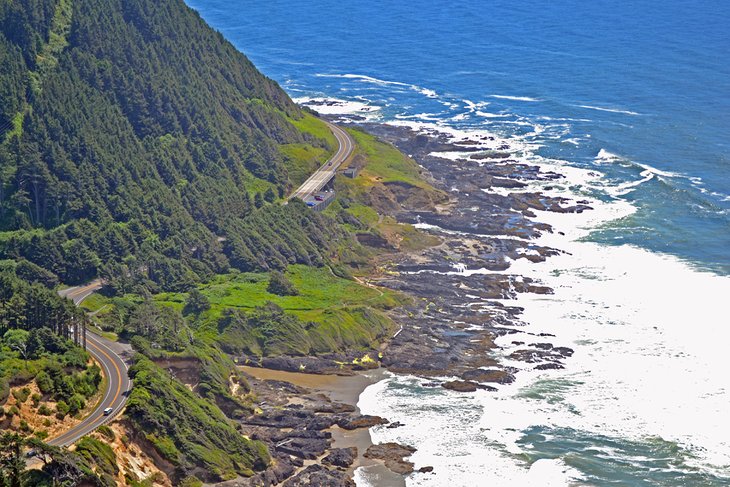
(325, 173)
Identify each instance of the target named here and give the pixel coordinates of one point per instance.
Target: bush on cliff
(188, 431)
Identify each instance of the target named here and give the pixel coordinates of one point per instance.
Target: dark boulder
(341, 457)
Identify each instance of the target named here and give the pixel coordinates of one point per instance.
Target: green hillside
(137, 145)
(136, 141)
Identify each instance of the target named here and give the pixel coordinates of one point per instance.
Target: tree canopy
(138, 144)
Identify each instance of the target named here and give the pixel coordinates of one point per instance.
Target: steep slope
(133, 132)
(138, 145)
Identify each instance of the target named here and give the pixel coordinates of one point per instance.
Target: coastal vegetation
(92, 463)
(138, 146)
(387, 182)
(124, 166)
(193, 434)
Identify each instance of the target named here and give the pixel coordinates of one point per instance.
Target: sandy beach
(345, 389)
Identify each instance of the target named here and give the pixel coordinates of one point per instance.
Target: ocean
(631, 101)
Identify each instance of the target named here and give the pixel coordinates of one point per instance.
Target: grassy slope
(344, 313)
(382, 163)
(303, 159)
(201, 435)
(385, 164)
(318, 289)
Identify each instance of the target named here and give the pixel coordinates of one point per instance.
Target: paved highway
(109, 355)
(322, 176)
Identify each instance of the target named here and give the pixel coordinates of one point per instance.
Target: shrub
(36, 399)
(13, 411)
(21, 395)
(191, 481)
(197, 302)
(280, 285)
(61, 409)
(76, 404)
(44, 410)
(44, 381)
(106, 431)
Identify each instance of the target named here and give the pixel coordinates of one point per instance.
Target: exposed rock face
(341, 457)
(482, 375)
(487, 223)
(361, 421)
(319, 476)
(322, 364)
(451, 328)
(293, 422)
(465, 386)
(393, 455)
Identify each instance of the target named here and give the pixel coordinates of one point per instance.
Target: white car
(108, 411)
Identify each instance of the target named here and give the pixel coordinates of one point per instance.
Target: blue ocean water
(636, 91)
(646, 81)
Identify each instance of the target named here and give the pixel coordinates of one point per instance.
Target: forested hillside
(139, 145)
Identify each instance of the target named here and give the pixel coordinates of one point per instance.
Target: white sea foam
(429, 93)
(362, 77)
(515, 98)
(642, 371)
(649, 335)
(647, 330)
(606, 156)
(427, 117)
(491, 115)
(337, 106)
(485, 139)
(474, 106)
(628, 187)
(611, 110)
(573, 141)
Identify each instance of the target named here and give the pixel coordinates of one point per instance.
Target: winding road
(324, 174)
(109, 355)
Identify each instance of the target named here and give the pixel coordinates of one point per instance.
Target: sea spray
(644, 329)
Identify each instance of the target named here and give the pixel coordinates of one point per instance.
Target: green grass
(316, 127)
(202, 436)
(303, 160)
(95, 302)
(255, 185)
(385, 163)
(344, 314)
(319, 292)
(365, 214)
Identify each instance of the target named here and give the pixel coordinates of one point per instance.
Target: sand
(345, 389)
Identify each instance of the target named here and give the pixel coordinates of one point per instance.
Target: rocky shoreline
(449, 331)
(315, 432)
